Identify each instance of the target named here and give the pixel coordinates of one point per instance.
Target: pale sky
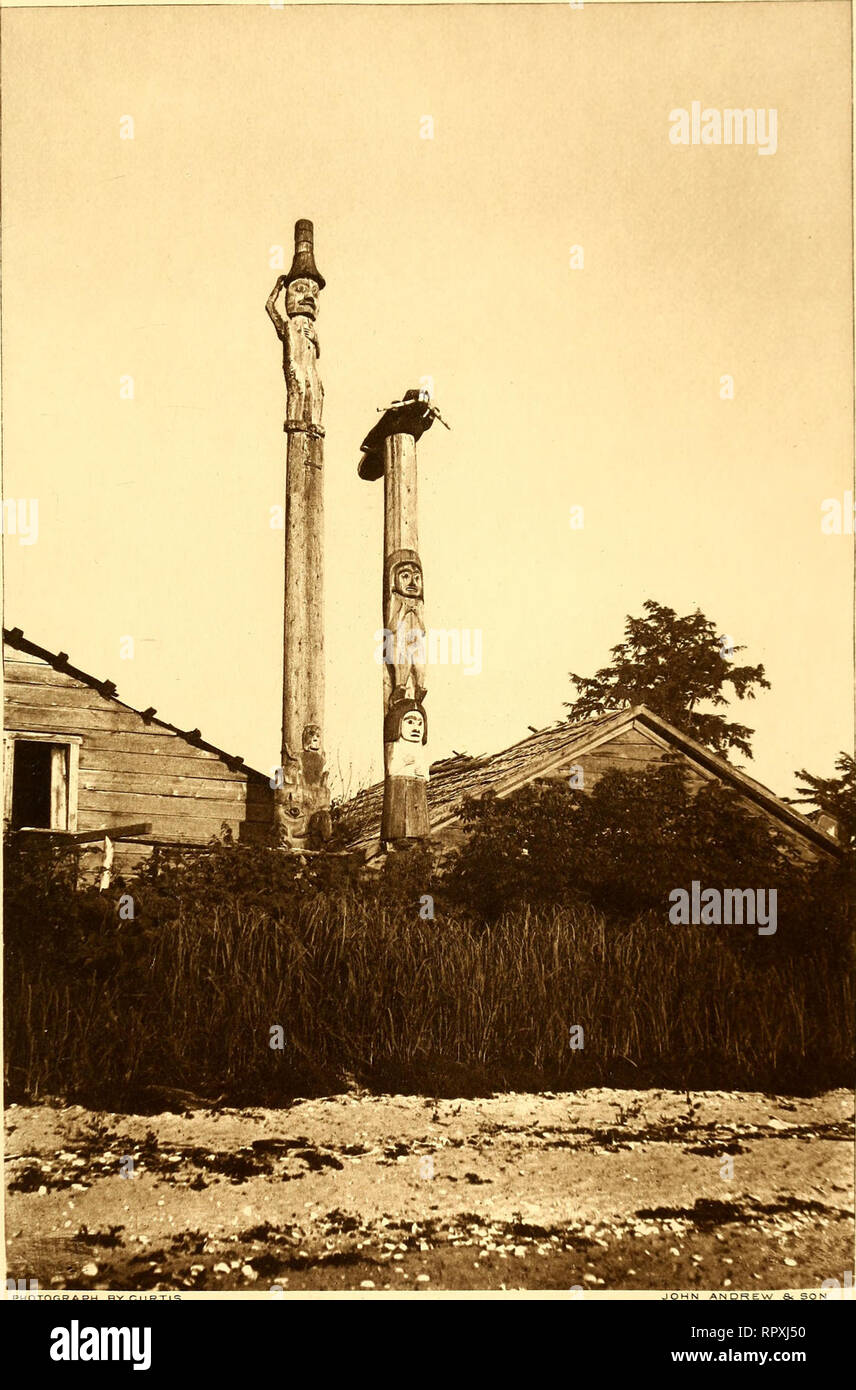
(447, 257)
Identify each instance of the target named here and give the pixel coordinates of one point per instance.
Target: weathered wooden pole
(302, 802)
(389, 451)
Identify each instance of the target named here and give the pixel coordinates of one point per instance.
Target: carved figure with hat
(300, 347)
(404, 618)
(405, 732)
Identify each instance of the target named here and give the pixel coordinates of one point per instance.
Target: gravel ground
(590, 1190)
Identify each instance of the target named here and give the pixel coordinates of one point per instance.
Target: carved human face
(412, 727)
(301, 297)
(408, 579)
(312, 739)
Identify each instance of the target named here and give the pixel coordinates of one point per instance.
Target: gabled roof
(550, 749)
(60, 662)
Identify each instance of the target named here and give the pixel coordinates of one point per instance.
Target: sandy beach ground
(589, 1190)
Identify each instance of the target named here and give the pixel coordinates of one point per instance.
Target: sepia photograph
(428, 653)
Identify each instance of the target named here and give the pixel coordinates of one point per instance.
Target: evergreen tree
(834, 795)
(673, 665)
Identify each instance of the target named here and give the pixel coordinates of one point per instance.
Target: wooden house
(630, 739)
(81, 765)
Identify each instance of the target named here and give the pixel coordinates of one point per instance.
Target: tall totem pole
(302, 802)
(389, 452)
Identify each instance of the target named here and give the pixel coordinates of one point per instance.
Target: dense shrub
(626, 844)
(47, 918)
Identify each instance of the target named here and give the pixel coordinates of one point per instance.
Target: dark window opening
(31, 785)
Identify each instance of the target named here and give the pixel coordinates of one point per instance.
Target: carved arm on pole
(273, 313)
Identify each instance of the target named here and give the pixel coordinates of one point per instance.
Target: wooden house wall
(131, 770)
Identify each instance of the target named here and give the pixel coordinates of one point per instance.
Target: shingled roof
(106, 688)
(545, 752)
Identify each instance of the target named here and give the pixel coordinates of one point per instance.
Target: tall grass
(380, 996)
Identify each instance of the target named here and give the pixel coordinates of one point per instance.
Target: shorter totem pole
(389, 452)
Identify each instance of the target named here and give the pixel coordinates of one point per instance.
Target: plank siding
(66, 718)
(178, 830)
(136, 806)
(73, 696)
(154, 784)
(159, 740)
(107, 758)
(132, 769)
(30, 673)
